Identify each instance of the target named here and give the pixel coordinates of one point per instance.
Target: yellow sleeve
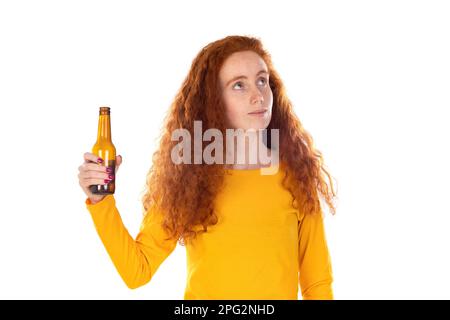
(136, 260)
(315, 272)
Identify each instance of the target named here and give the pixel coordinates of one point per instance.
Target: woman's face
(244, 80)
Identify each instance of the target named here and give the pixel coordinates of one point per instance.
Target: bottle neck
(104, 128)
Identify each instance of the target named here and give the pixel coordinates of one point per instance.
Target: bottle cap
(104, 110)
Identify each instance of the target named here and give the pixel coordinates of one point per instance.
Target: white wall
(369, 80)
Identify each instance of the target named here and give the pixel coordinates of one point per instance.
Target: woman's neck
(249, 155)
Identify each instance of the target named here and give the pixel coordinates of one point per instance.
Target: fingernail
(108, 169)
(107, 181)
(99, 160)
(111, 176)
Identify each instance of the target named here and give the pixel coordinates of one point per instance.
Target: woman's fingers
(94, 172)
(91, 181)
(91, 173)
(118, 163)
(96, 175)
(92, 167)
(90, 157)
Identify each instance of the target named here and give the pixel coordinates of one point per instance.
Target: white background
(370, 80)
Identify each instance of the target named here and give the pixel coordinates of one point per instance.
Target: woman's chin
(258, 126)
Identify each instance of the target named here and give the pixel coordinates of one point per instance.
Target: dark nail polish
(108, 169)
(99, 160)
(111, 176)
(106, 181)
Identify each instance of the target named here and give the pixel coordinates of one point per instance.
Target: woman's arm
(315, 272)
(136, 260)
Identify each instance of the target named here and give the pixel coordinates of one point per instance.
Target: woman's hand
(93, 172)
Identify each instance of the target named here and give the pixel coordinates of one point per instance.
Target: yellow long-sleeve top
(261, 247)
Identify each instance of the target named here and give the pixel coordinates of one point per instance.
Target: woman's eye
(238, 85)
(262, 81)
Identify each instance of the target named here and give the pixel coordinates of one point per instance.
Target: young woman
(248, 235)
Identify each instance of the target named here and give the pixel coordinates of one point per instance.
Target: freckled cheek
(238, 105)
(234, 110)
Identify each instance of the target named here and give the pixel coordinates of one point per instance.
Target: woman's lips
(259, 113)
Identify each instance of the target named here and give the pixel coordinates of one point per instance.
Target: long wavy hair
(185, 193)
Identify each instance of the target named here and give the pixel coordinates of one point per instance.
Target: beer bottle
(104, 148)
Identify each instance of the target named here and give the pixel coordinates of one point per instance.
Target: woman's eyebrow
(244, 77)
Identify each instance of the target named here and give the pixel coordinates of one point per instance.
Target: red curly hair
(186, 192)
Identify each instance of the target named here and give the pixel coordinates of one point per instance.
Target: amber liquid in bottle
(105, 149)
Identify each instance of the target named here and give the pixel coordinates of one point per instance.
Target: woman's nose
(257, 97)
